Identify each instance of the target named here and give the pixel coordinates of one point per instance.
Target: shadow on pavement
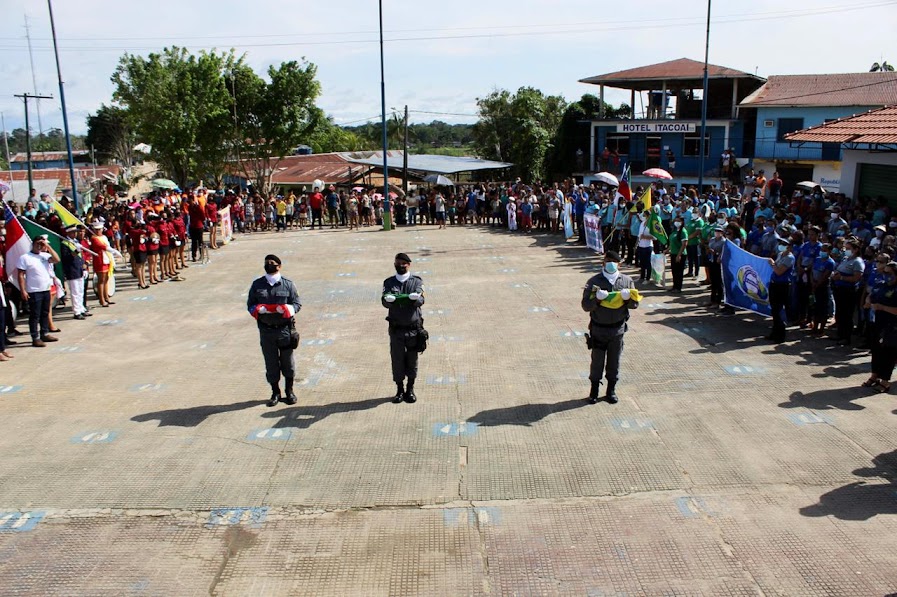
(860, 500)
(524, 414)
(303, 417)
(191, 417)
(841, 399)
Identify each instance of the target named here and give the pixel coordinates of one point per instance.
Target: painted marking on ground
(147, 387)
(656, 305)
(808, 418)
(203, 346)
(540, 310)
(345, 275)
(20, 522)
(317, 342)
(694, 507)
(507, 270)
(272, 434)
(68, 349)
(691, 331)
(480, 516)
(445, 380)
(10, 389)
(743, 370)
(446, 338)
(422, 259)
(520, 285)
(349, 261)
(454, 429)
(109, 322)
(142, 299)
(95, 437)
(633, 424)
(438, 312)
(233, 516)
(331, 315)
(573, 334)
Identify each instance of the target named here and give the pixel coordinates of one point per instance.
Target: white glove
(601, 294)
(390, 298)
(279, 308)
(262, 309)
(414, 296)
(289, 311)
(625, 294)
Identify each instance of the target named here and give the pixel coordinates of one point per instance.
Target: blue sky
(440, 56)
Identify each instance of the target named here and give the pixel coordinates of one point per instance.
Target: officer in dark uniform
(403, 295)
(274, 302)
(607, 324)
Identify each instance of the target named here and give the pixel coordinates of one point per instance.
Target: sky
(439, 56)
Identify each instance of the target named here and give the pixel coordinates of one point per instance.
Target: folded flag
(615, 300)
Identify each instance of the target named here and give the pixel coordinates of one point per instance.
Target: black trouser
(316, 216)
(644, 263)
(803, 302)
(677, 267)
(2, 330)
(607, 350)
(822, 298)
(778, 299)
(277, 354)
(580, 227)
(694, 260)
(845, 305)
(403, 353)
(883, 358)
(716, 282)
(195, 241)
(39, 314)
(629, 243)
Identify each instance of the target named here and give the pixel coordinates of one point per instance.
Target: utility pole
(405, 157)
(387, 219)
(6, 147)
(704, 101)
(65, 118)
(25, 97)
(40, 125)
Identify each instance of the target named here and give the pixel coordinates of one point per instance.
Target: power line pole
(65, 118)
(387, 220)
(40, 124)
(25, 97)
(405, 157)
(703, 143)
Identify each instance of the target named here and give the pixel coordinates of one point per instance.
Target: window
(691, 145)
(788, 125)
(618, 143)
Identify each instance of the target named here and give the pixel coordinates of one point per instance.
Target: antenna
(40, 125)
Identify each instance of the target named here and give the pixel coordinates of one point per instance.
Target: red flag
(17, 244)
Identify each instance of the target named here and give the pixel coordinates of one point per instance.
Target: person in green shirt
(678, 242)
(694, 229)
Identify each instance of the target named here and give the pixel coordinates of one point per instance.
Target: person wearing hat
(403, 295)
(714, 268)
(99, 244)
(780, 287)
(608, 297)
(273, 301)
(35, 281)
(73, 270)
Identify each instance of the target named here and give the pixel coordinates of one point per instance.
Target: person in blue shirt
(845, 280)
(883, 303)
(764, 210)
(806, 256)
(780, 288)
(754, 236)
(579, 210)
(821, 288)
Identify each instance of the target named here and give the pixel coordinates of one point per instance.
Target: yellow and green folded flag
(614, 300)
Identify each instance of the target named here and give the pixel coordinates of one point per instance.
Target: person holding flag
(645, 245)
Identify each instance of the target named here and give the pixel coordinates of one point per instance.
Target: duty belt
(608, 325)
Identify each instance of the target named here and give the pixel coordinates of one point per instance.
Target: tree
(110, 134)
(574, 134)
(272, 118)
(883, 67)
(518, 128)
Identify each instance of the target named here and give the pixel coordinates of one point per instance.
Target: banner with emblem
(745, 280)
(592, 224)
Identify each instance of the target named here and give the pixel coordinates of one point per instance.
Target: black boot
(400, 394)
(410, 398)
(593, 393)
(275, 395)
(291, 395)
(612, 392)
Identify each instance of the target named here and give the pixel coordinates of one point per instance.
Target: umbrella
(164, 183)
(809, 185)
(359, 189)
(439, 180)
(658, 173)
(4, 188)
(608, 178)
(317, 185)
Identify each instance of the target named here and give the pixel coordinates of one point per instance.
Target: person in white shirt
(35, 282)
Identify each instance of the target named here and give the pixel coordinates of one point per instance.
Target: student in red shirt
(165, 230)
(137, 233)
(152, 246)
(180, 240)
(212, 217)
(316, 202)
(197, 221)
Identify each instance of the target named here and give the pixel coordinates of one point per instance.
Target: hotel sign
(658, 127)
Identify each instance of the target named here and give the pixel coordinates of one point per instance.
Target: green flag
(655, 226)
(34, 230)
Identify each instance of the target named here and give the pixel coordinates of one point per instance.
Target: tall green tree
(518, 128)
(109, 133)
(574, 135)
(881, 67)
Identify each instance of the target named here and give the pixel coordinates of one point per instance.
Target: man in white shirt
(35, 282)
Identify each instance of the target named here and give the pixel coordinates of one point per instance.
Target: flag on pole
(655, 227)
(623, 190)
(17, 244)
(67, 218)
(34, 230)
(646, 198)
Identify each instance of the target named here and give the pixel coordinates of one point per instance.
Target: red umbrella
(658, 173)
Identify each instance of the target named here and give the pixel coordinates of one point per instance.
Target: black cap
(273, 258)
(612, 256)
(403, 257)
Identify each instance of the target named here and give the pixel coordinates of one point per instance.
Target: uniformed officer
(403, 295)
(274, 302)
(608, 298)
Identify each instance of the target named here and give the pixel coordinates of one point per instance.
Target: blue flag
(746, 279)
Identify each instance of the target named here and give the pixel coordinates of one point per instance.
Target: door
(877, 180)
(791, 175)
(652, 153)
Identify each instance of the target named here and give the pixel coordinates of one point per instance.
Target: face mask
(823, 255)
(892, 224)
(610, 267)
(783, 248)
(643, 217)
(270, 268)
(677, 224)
(848, 254)
(401, 269)
(721, 220)
(836, 252)
(879, 233)
(834, 216)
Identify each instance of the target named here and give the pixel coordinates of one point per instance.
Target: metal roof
(845, 89)
(48, 156)
(331, 168)
(84, 175)
(876, 127)
(19, 189)
(431, 164)
(684, 71)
